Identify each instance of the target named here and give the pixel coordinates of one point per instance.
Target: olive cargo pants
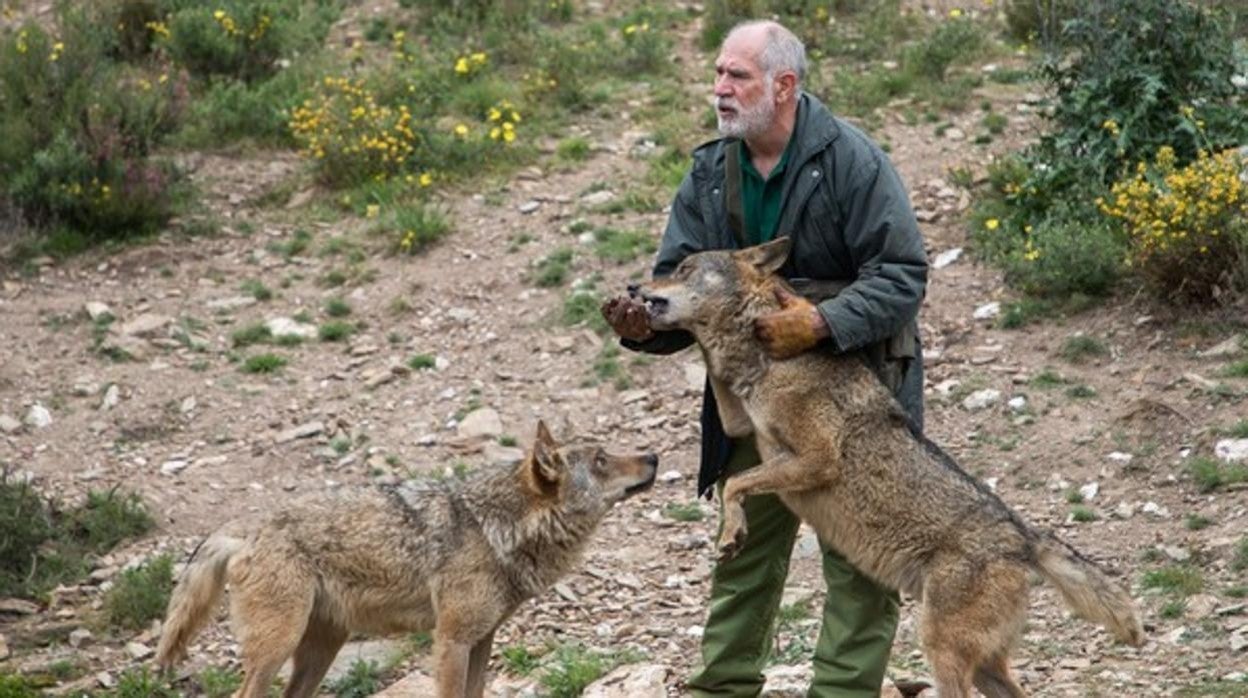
(859, 616)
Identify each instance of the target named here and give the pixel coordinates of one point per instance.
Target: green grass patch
(337, 307)
(1196, 522)
(688, 511)
(256, 289)
(422, 362)
(363, 679)
(140, 595)
(214, 682)
(569, 669)
(264, 363)
(42, 545)
(1083, 514)
(621, 246)
(257, 333)
(1178, 580)
(1210, 474)
(552, 270)
(518, 660)
(335, 331)
(1081, 348)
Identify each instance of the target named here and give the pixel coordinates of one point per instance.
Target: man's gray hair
(782, 50)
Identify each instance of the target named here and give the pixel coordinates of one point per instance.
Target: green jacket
(850, 220)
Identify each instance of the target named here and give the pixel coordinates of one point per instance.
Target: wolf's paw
(730, 542)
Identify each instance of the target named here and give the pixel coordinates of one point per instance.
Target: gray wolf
(455, 558)
(840, 452)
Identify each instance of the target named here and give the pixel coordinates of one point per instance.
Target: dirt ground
(203, 442)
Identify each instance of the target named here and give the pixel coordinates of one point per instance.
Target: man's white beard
(748, 122)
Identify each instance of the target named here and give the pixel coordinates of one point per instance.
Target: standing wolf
(456, 559)
(841, 454)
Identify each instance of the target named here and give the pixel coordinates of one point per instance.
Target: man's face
(744, 97)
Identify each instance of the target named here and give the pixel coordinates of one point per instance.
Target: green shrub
(1028, 20)
(140, 595)
(79, 130)
(360, 681)
(957, 38)
(552, 270)
(264, 363)
(242, 39)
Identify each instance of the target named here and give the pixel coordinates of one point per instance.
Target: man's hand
(628, 317)
(793, 329)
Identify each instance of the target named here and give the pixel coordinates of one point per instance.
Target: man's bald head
(775, 48)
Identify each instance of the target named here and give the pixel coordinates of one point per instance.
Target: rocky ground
(203, 441)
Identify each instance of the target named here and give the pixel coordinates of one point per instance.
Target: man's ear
(768, 257)
(786, 86)
(544, 460)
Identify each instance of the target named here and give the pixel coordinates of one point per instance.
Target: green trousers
(859, 616)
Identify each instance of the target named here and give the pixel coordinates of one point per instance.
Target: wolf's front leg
(452, 660)
(773, 476)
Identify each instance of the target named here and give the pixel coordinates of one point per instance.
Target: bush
(41, 546)
(140, 594)
(1188, 226)
(957, 38)
(1064, 254)
(80, 130)
(1143, 74)
(1029, 20)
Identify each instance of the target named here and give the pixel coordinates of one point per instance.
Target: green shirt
(760, 198)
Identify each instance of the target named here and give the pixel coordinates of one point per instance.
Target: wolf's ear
(769, 256)
(546, 462)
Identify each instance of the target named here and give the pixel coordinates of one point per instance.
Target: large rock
(39, 416)
(631, 681)
(786, 681)
(9, 425)
(287, 327)
(482, 423)
(1232, 450)
(414, 685)
(145, 325)
(982, 399)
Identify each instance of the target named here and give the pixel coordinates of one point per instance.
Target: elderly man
(787, 166)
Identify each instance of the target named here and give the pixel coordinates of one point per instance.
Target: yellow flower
(372, 211)
(426, 179)
(1111, 126)
(495, 133)
(218, 15)
(461, 130)
(479, 58)
(461, 66)
(509, 136)
(495, 114)
(992, 224)
(955, 13)
(630, 29)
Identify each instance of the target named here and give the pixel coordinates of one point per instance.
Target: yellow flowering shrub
(350, 136)
(1186, 225)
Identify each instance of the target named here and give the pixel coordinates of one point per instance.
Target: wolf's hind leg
(273, 616)
(478, 663)
(993, 679)
(316, 652)
(775, 475)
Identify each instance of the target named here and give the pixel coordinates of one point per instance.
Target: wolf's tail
(196, 596)
(1088, 591)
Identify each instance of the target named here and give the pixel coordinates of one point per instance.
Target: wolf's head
(710, 289)
(583, 480)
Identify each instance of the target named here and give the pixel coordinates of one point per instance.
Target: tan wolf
(842, 455)
(455, 558)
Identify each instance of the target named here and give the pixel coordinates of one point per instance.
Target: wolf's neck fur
(733, 355)
(536, 545)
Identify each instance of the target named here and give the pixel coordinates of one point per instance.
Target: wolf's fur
(455, 558)
(840, 452)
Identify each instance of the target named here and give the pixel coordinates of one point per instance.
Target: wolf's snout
(634, 290)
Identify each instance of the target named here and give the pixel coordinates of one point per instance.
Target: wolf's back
(198, 592)
(1088, 591)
